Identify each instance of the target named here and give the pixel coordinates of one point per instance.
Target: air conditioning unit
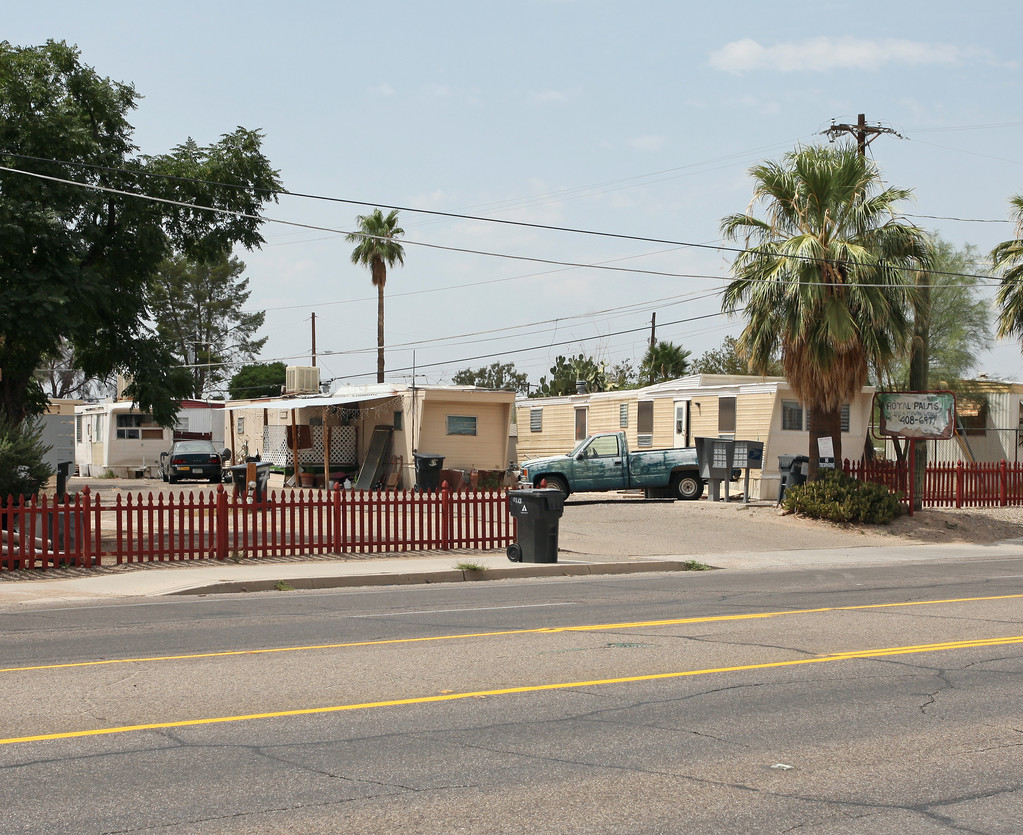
(302, 379)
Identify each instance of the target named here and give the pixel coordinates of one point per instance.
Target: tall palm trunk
(823, 424)
(380, 279)
(380, 332)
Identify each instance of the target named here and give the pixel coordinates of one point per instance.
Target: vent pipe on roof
(580, 387)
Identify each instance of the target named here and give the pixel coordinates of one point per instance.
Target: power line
(961, 219)
(484, 253)
(637, 307)
(642, 328)
(512, 204)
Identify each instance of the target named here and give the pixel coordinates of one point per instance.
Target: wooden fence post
(1003, 483)
(221, 516)
(959, 484)
(446, 520)
(84, 508)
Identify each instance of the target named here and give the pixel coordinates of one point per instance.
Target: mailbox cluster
(720, 457)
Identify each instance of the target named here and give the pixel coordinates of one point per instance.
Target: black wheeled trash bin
(793, 472)
(428, 469)
(537, 511)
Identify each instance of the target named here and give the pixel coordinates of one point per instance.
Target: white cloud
(823, 53)
(648, 143)
(384, 89)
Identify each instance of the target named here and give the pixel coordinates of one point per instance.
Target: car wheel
(172, 479)
(557, 482)
(686, 487)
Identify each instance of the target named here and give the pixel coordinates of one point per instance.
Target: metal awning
(355, 395)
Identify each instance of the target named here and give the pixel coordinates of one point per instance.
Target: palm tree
(378, 249)
(824, 277)
(1008, 257)
(664, 361)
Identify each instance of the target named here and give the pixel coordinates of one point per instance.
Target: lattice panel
(343, 446)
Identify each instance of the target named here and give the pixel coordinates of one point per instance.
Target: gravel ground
(624, 525)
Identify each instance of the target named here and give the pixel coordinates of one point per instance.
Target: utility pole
(861, 130)
(919, 354)
(314, 340)
(653, 330)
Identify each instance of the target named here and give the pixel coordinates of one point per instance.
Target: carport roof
(355, 394)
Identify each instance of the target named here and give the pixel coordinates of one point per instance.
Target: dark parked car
(194, 460)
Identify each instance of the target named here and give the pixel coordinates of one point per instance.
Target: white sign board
(826, 452)
(917, 414)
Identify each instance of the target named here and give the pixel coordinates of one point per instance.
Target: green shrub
(839, 498)
(23, 468)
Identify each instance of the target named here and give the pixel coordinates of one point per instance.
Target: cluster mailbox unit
(720, 457)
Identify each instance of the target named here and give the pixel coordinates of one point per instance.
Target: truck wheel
(557, 482)
(686, 486)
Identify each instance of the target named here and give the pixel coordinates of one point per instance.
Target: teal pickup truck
(603, 462)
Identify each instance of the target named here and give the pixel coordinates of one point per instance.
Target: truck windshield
(579, 446)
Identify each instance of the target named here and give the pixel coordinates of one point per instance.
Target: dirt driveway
(619, 525)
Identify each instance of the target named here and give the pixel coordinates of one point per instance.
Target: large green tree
(664, 361)
(499, 376)
(728, 359)
(377, 247)
(1008, 259)
(198, 308)
(258, 380)
(951, 320)
(82, 231)
(824, 276)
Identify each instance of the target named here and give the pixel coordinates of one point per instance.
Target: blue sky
(638, 119)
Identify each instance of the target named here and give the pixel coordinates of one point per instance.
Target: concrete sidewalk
(251, 576)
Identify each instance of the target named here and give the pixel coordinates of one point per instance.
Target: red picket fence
(87, 531)
(951, 484)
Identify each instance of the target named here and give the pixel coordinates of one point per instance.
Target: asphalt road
(831, 701)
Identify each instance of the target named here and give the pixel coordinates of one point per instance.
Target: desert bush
(23, 467)
(839, 498)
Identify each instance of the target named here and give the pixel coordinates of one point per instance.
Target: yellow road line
(536, 688)
(538, 631)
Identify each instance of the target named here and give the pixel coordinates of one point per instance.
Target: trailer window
(726, 415)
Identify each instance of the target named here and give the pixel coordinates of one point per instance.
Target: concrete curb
(427, 577)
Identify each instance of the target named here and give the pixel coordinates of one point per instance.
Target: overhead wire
(463, 250)
(548, 227)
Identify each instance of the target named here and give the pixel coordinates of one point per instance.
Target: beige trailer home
(676, 412)
(333, 434)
